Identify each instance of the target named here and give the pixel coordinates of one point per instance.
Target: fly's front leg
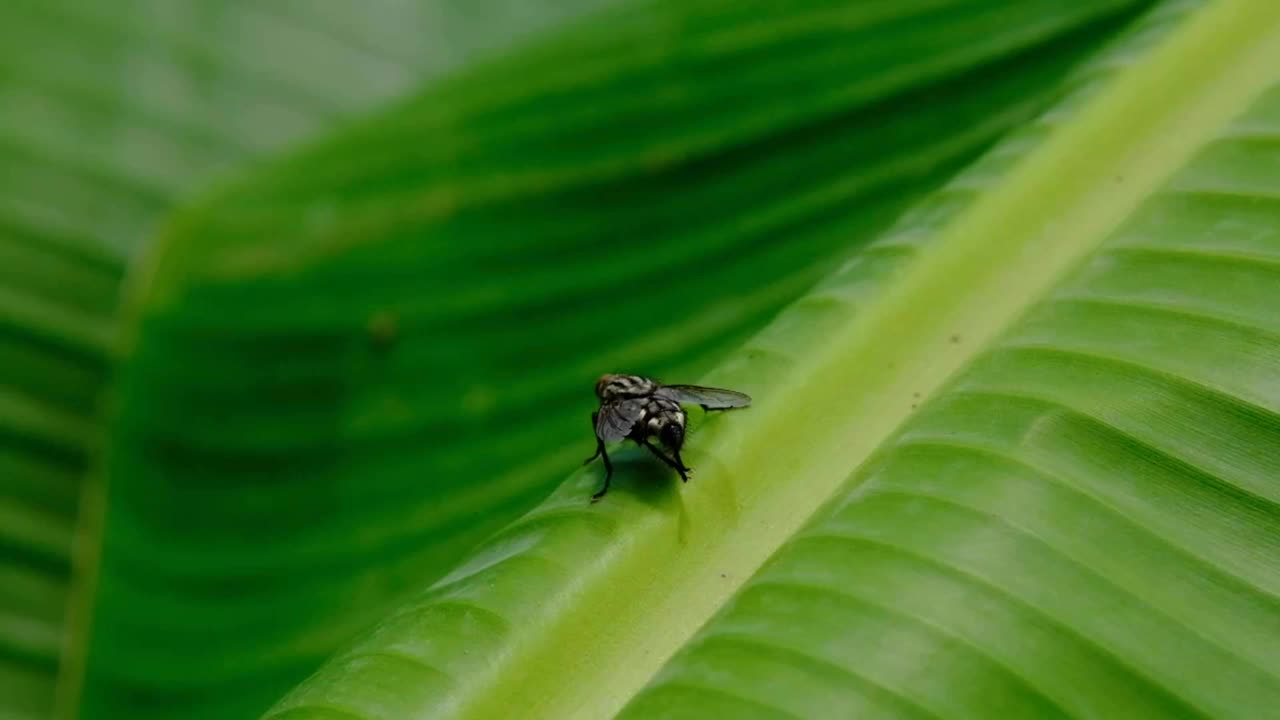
(608, 474)
(602, 454)
(599, 442)
(599, 450)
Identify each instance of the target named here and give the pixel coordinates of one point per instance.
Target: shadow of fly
(642, 409)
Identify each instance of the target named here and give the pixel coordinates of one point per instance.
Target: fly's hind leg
(677, 464)
(683, 469)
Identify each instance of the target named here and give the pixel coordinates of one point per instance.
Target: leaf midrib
(985, 270)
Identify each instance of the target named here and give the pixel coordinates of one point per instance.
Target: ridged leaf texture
(342, 368)
(1018, 458)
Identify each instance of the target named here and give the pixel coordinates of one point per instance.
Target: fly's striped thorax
(616, 387)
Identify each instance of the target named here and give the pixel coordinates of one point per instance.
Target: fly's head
(616, 387)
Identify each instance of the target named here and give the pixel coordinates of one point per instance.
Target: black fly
(638, 408)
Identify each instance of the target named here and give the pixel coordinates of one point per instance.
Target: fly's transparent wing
(707, 397)
(615, 419)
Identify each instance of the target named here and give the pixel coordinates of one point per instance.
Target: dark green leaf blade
(111, 112)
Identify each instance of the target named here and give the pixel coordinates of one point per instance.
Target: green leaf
(351, 365)
(1081, 519)
(112, 112)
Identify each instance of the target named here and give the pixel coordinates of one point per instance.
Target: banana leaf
(259, 496)
(1018, 458)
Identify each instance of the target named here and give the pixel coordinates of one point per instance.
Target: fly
(639, 409)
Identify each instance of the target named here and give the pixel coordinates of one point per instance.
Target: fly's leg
(599, 442)
(684, 469)
(604, 455)
(608, 471)
(599, 449)
(676, 464)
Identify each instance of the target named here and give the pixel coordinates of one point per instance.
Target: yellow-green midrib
(826, 413)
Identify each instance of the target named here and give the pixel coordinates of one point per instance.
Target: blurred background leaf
(110, 113)
(349, 367)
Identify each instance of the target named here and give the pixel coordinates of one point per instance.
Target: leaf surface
(350, 366)
(1079, 520)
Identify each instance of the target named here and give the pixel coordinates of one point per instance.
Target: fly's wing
(616, 418)
(707, 397)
